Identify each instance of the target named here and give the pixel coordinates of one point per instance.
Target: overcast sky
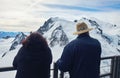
(29, 15)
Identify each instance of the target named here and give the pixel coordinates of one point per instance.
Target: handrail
(6, 69)
(109, 57)
(107, 74)
(114, 68)
(114, 73)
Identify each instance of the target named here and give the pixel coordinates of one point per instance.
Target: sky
(29, 15)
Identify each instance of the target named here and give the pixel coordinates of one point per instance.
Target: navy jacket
(81, 57)
(33, 63)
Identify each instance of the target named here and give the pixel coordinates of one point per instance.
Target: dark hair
(35, 40)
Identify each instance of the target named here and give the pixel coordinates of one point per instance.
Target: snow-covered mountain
(55, 31)
(17, 40)
(58, 31)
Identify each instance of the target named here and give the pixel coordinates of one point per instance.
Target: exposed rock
(58, 36)
(18, 39)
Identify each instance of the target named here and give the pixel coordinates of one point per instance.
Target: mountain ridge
(59, 32)
(103, 31)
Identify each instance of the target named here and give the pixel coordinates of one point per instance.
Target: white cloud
(32, 13)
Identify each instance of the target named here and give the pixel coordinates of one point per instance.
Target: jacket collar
(83, 35)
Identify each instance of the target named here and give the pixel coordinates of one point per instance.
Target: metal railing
(114, 68)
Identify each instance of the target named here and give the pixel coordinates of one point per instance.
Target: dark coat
(81, 57)
(33, 63)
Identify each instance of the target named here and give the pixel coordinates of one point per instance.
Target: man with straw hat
(81, 57)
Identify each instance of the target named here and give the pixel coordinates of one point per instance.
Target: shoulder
(72, 44)
(96, 40)
(48, 49)
(21, 51)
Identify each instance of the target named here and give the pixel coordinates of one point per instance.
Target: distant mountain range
(59, 31)
(5, 34)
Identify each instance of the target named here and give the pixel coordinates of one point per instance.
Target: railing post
(118, 66)
(55, 71)
(117, 73)
(61, 74)
(112, 67)
(115, 67)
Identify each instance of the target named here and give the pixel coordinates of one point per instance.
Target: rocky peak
(46, 26)
(17, 40)
(58, 36)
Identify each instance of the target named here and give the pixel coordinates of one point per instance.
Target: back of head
(35, 40)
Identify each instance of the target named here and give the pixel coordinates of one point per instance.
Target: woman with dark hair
(34, 58)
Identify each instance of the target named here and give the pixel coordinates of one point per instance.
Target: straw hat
(82, 28)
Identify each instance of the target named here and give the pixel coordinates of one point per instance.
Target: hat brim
(84, 31)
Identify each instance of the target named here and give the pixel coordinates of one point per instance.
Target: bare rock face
(57, 36)
(18, 39)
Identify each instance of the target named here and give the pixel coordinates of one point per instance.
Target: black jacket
(33, 63)
(81, 57)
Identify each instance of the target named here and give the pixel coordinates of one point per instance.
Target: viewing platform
(113, 68)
